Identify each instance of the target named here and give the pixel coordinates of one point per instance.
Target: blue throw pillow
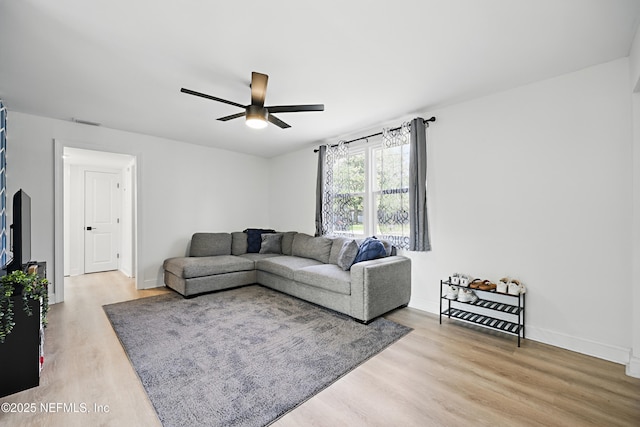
(371, 248)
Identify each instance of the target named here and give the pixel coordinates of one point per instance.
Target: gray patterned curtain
(419, 239)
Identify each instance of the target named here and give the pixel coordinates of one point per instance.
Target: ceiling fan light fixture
(257, 117)
(256, 123)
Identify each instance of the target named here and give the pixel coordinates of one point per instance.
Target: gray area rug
(242, 357)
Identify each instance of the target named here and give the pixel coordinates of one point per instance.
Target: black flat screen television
(20, 232)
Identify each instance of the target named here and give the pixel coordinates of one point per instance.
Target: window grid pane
(391, 195)
(347, 214)
(347, 207)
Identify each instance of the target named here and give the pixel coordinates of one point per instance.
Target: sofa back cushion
(287, 242)
(348, 254)
(238, 243)
(271, 243)
(318, 248)
(336, 247)
(210, 244)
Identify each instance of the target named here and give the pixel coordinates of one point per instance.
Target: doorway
(98, 212)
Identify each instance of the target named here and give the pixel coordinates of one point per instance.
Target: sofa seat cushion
(285, 265)
(190, 267)
(325, 276)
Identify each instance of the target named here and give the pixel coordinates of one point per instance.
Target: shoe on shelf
(502, 285)
(516, 288)
(467, 295)
(483, 285)
(452, 292)
(455, 279)
(487, 286)
(465, 279)
(475, 283)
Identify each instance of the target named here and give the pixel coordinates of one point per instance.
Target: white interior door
(101, 221)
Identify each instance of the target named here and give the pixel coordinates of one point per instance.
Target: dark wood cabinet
(22, 353)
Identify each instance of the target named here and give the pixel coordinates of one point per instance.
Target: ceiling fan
(257, 114)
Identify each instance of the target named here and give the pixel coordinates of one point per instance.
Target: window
(367, 192)
(377, 189)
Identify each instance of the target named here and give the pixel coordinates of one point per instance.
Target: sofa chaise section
(209, 267)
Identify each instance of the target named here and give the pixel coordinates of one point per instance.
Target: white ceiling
(122, 62)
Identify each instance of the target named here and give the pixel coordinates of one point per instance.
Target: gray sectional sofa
(309, 268)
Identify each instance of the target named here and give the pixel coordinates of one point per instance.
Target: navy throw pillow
(371, 248)
(254, 239)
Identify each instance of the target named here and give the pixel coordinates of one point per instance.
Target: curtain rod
(432, 119)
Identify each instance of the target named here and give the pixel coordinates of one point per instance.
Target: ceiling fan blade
(295, 108)
(204, 95)
(233, 116)
(258, 88)
(276, 121)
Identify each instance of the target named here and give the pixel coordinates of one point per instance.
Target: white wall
(634, 60)
(292, 191)
(183, 188)
(534, 183)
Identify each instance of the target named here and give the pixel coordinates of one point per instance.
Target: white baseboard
(425, 305)
(126, 272)
(633, 367)
(580, 345)
(151, 283)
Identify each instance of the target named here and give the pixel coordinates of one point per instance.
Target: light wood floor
(438, 375)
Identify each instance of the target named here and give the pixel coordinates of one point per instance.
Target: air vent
(85, 122)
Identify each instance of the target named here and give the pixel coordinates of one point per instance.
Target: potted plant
(30, 287)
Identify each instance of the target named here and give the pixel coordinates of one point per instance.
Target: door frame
(57, 293)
